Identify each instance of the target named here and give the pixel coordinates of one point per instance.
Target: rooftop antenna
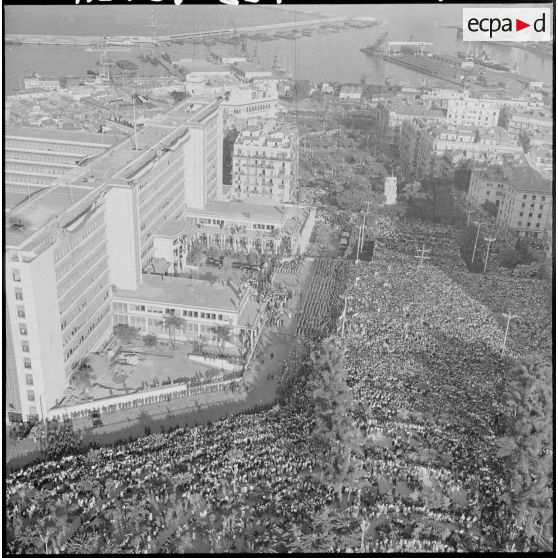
(134, 111)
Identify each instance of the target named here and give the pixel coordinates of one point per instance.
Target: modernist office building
(36, 157)
(92, 231)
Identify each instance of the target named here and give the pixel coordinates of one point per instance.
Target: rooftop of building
(30, 216)
(416, 110)
(224, 52)
(56, 135)
(118, 165)
(534, 114)
(250, 67)
(196, 65)
(172, 229)
(351, 89)
(240, 210)
(265, 131)
(527, 179)
(184, 292)
(493, 172)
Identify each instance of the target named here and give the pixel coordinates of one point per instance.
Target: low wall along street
(139, 399)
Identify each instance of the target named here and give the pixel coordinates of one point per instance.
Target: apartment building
(480, 113)
(526, 208)
(69, 245)
(391, 117)
(421, 145)
(488, 184)
(415, 148)
(439, 97)
(265, 161)
(532, 122)
(478, 144)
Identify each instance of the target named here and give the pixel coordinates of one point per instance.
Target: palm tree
(82, 377)
(172, 323)
(224, 335)
(125, 332)
(527, 445)
(150, 340)
(335, 432)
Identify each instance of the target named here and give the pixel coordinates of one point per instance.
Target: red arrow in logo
(519, 25)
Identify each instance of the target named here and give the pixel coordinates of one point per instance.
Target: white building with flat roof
(70, 244)
(203, 306)
(481, 113)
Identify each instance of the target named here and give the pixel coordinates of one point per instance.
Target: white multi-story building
(93, 230)
(203, 307)
(256, 100)
(350, 93)
(522, 195)
(487, 184)
(528, 202)
(482, 144)
(57, 291)
(247, 71)
(45, 83)
(534, 122)
(481, 113)
(204, 174)
(274, 229)
(265, 161)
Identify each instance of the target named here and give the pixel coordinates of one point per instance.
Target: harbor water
(324, 56)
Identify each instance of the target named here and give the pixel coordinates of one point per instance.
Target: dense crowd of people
(291, 267)
(431, 396)
(323, 302)
(275, 298)
(426, 373)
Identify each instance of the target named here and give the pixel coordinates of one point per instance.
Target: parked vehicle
(96, 418)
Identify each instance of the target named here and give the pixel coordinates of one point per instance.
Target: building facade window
(29, 379)
(27, 363)
(31, 395)
(22, 329)
(25, 346)
(20, 312)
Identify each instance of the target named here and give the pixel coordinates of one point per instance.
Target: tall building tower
(72, 243)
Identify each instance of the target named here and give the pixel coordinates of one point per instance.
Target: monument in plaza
(390, 190)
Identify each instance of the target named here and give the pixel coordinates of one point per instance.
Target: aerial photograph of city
(278, 278)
